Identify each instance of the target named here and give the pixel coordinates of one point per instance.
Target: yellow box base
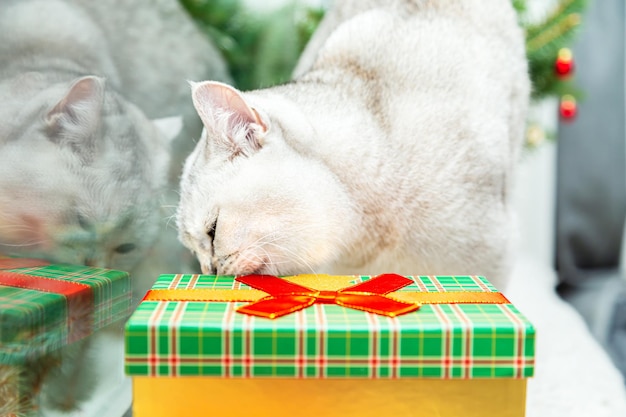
(273, 397)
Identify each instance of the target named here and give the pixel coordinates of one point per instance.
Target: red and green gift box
(46, 306)
(312, 345)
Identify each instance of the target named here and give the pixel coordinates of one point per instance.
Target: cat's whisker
(169, 219)
(297, 258)
(17, 227)
(22, 245)
(271, 265)
(251, 255)
(261, 239)
(336, 242)
(247, 257)
(275, 236)
(170, 215)
(251, 251)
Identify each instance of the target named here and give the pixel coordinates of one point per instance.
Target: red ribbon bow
(286, 297)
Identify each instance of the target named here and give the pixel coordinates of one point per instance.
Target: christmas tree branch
(554, 34)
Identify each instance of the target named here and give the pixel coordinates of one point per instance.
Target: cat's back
(455, 69)
(426, 42)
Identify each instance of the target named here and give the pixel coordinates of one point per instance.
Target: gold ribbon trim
(204, 294)
(419, 297)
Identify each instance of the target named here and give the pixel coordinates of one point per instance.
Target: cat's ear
(169, 127)
(75, 119)
(228, 117)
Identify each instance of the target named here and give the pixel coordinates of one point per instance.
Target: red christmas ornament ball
(568, 107)
(564, 65)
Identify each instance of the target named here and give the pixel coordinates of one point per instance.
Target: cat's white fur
(83, 169)
(393, 150)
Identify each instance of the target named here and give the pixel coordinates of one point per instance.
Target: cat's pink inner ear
(210, 96)
(81, 104)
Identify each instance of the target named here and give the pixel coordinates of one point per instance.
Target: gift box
(316, 345)
(44, 306)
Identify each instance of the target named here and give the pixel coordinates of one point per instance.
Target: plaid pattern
(327, 341)
(33, 322)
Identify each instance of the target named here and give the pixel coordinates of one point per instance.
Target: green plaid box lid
(200, 338)
(73, 302)
(180, 338)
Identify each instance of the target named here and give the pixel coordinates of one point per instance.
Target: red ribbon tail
(270, 307)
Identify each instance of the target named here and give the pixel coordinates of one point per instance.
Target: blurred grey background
(591, 181)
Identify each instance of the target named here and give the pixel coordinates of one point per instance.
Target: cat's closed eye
(125, 248)
(84, 223)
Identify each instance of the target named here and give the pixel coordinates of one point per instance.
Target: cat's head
(81, 176)
(250, 201)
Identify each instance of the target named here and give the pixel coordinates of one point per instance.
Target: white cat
(83, 169)
(393, 150)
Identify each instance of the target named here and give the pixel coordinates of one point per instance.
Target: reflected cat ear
(225, 112)
(170, 127)
(78, 113)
